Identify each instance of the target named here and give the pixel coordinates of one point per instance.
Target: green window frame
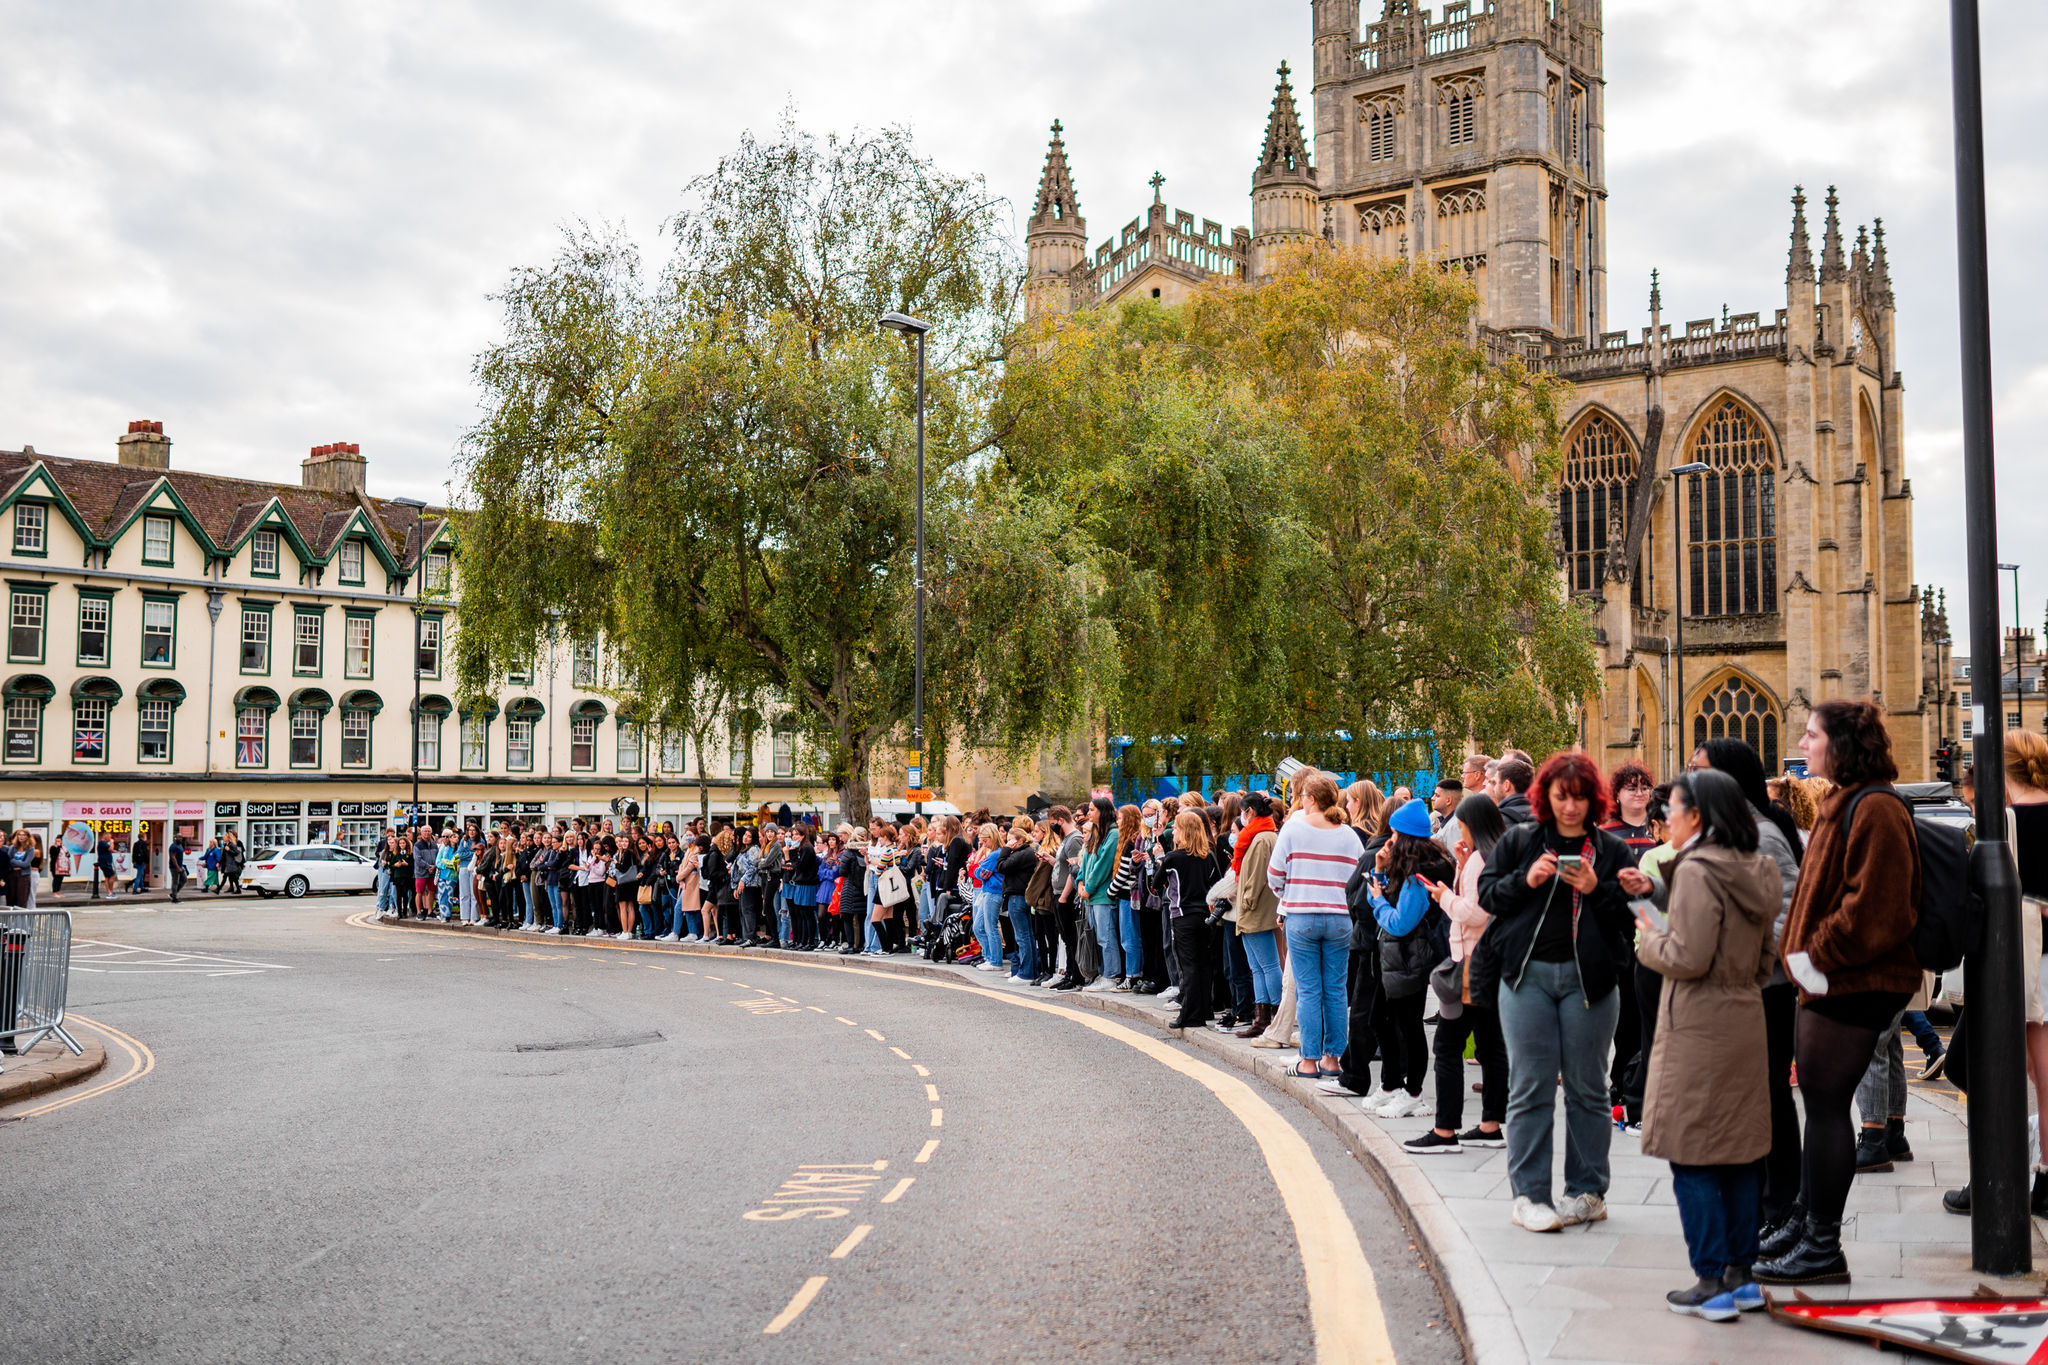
(155, 716)
(519, 744)
(305, 640)
(95, 621)
(428, 645)
(631, 746)
(32, 529)
(152, 524)
(302, 737)
(156, 606)
(252, 723)
(582, 744)
(266, 541)
(475, 732)
(353, 624)
(24, 716)
(256, 641)
(426, 741)
(357, 727)
(92, 722)
(349, 559)
(28, 620)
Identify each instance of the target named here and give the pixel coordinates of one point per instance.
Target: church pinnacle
(1800, 266)
(1880, 268)
(1057, 210)
(1832, 267)
(1285, 156)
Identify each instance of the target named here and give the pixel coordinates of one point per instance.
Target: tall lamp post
(1678, 748)
(915, 329)
(2000, 1227)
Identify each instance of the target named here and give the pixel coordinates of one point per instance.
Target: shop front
(128, 826)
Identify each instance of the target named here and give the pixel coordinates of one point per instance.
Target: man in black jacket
(1507, 782)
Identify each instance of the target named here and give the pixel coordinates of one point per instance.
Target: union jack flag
(91, 744)
(249, 751)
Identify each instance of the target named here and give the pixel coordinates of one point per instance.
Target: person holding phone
(1558, 890)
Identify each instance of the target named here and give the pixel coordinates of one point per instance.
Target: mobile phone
(1569, 862)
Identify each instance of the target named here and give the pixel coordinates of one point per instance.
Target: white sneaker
(1582, 1208)
(1020, 980)
(551, 929)
(1170, 994)
(1534, 1216)
(664, 938)
(1100, 985)
(1394, 1106)
(986, 966)
(689, 938)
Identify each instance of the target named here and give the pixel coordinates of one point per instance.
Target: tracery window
(1383, 228)
(1460, 101)
(1732, 517)
(1461, 226)
(1599, 470)
(1382, 120)
(1737, 710)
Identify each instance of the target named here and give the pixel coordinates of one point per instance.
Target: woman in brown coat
(1846, 944)
(1707, 1106)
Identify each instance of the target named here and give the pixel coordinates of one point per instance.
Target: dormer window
(437, 571)
(351, 561)
(31, 522)
(156, 540)
(263, 554)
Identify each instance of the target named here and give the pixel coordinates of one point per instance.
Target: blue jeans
(1550, 1030)
(1127, 912)
(1027, 944)
(1102, 919)
(1717, 1207)
(1319, 947)
(782, 933)
(988, 931)
(385, 899)
(1262, 950)
(555, 903)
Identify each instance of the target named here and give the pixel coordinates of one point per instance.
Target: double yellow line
(141, 1061)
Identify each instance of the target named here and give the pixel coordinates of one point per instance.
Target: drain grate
(590, 1044)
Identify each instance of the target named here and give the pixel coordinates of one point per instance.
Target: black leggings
(1782, 1166)
(1482, 1025)
(1833, 1055)
(1192, 950)
(1067, 917)
(1406, 1045)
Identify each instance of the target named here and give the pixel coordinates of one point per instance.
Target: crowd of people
(1673, 957)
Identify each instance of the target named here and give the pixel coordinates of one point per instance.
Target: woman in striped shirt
(1312, 860)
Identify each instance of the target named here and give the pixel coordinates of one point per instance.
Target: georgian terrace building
(192, 653)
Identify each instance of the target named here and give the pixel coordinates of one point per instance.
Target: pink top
(1468, 921)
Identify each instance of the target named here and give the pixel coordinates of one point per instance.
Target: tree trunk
(853, 796)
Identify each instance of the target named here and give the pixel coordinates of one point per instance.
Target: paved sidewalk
(1592, 1294)
(48, 1066)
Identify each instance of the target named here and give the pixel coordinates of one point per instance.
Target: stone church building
(1476, 141)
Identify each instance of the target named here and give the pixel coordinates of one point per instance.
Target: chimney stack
(338, 468)
(144, 447)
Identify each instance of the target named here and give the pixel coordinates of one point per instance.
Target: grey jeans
(1550, 1031)
(1881, 1094)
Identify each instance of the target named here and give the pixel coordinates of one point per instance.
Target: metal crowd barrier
(35, 975)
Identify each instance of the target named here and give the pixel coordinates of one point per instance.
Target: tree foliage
(715, 469)
(1320, 512)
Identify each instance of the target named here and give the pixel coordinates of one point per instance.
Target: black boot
(2040, 1199)
(1783, 1233)
(1871, 1154)
(1895, 1140)
(1957, 1201)
(1816, 1260)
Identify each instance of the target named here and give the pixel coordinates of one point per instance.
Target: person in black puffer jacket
(1558, 891)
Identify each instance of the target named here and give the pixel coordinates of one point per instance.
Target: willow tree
(1326, 488)
(715, 470)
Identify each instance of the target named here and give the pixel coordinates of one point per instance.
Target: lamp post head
(1696, 467)
(906, 324)
(2008, 568)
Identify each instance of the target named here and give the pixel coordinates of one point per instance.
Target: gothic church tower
(1057, 237)
(1284, 185)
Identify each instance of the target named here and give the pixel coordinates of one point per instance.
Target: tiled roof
(106, 495)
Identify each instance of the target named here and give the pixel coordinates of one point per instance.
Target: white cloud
(273, 225)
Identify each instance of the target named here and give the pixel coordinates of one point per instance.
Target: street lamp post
(915, 328)
(1678, 749)
(2001, 1241)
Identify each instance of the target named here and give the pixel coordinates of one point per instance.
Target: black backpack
(1950, 922)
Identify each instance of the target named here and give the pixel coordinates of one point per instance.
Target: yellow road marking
(141, 1061)
(796, 1306)
(926, 1154)
(938, 1118)
(814, 1009)
(787, 1001)
(853, 1239)
(709, 977)
(919, 1070)
(844, 1020)
(652, 968)
(900, 1053)
(1344, 1305)
(874, 1035)
(931, 1092)
(902, 1185)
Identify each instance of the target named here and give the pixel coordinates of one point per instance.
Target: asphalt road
(365, 1145)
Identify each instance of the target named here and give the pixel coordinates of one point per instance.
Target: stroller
(949, 937)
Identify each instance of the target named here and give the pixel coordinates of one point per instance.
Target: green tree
(1321, 512)
(716, 470)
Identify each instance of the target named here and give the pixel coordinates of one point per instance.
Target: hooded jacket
(1708, 1101)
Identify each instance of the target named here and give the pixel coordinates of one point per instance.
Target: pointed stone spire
(1859, 259)
(1057, 210)
(1880, 268)
(1656, 324)
(1656, 299)
(1285, 156)
(1831, 267)
(1800, 266)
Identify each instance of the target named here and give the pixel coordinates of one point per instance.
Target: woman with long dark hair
(1846, 947)
(1410, 930)
(1477, 1016)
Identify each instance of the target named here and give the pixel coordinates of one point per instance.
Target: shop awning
(97, 688)
(433, 704)
(312, 699)
(29, 685)
(526, 708)
(362, 699)
(262, 698)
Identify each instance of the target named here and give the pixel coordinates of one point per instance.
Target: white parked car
(307, 868)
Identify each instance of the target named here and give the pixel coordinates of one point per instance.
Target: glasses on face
(1639, 785)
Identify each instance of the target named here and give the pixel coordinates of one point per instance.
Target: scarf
(1259, 824)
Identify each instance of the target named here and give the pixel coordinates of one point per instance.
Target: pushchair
(949, 937)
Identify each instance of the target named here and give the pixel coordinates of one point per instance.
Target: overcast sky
(272, 224)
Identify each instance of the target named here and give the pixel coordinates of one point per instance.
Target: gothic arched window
(1460, 101)
(1599, 469)
(1382, 120)
(1732, 517)
(1382, 229)
(1737, 710)
(1461, 226)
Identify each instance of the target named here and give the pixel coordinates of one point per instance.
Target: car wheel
(296, 887)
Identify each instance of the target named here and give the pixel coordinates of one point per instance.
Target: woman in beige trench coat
(1706, 1108)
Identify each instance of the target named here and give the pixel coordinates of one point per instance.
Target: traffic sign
(914, 794)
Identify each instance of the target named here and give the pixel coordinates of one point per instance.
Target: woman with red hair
(1558, 891)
